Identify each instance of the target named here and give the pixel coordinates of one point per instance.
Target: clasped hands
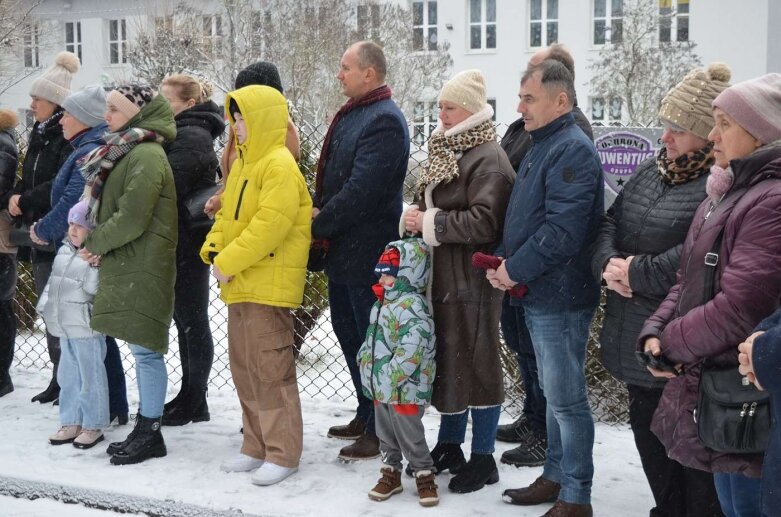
(616, 275)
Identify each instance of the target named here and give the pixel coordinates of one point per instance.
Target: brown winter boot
(562, 509)
(540, 491)
(427, 489)
(388, 484)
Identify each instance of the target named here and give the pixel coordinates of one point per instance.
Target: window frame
(121, 42)
(610, 20)
(371, 18)
(545, 22)
(483, 24)
(76, 44)
(426, 27)
(215, 31)
(670, 21)
(424, 121)
(31, 44)
(607, 117)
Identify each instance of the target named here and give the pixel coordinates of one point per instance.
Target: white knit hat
(467, 89)
(54, 84)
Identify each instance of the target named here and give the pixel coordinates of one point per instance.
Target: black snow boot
(50, 394)
(147, 443)
(191, 407)
(115, 447)
(446, 456)
(479, 471)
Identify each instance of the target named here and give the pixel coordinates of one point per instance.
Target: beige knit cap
(467, 89)
(688, 103)
(54, 84)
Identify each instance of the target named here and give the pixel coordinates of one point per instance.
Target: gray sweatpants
(402, 434)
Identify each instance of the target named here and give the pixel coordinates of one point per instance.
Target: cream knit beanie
(467, 89)
(54, 84)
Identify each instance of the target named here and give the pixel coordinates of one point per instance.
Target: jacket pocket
(241, 198)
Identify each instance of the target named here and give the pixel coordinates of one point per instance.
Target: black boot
(177, 400)
(121, 418)
(479, 471)
(115, 447)
(6, 386)
(446, 456)
(514, 432)
(50, 394)
(147, 443)
(191, 408)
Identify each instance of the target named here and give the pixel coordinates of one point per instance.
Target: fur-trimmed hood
(8, 119)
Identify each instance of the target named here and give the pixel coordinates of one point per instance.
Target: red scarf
(376, 95)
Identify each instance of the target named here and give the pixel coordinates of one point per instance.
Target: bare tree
(640, 69)
(17, 27)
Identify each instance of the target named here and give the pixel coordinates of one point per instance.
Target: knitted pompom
(69, 61)
(8, 119)
(719, 72)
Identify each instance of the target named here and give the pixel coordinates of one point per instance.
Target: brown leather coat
(466, 307)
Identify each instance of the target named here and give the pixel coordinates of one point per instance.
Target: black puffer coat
(649, 220)
(191, 155)
(46, 152)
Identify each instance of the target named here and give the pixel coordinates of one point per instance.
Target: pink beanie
(755, 105)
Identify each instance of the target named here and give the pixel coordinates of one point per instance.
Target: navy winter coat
(553, 218)
(362, 190)
(68, 186)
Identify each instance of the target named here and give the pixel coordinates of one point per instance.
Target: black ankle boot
(446, 456)
(115, 447)
(147, 443)
(479, 471)
(191, 408)
(177, 400)
(50, 394)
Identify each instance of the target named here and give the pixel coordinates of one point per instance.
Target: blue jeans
(739, 496)
(152, 379)
(452, 428)
(350, 309)
(83, 384)
(517, 337)
(117, 389)
(559, 339)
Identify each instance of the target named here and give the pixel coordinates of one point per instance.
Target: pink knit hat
(755, 105)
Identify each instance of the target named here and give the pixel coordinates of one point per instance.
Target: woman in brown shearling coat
(465, 188)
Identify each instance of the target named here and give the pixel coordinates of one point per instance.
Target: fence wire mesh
(322, 372)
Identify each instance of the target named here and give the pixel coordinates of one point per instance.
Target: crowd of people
(512, 236)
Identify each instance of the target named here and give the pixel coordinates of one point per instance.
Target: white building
(496, 36)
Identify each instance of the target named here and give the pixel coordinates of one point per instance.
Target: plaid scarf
(97, 165)
(378, 94)
(686, 167)
(442, 164)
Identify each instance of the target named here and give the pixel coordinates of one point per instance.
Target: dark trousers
(7, 317)
(42, 270)
(191, 315)
(117, 389)
(678, 491)
(517, 337)
(350, 309)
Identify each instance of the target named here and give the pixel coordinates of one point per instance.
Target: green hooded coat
(136, 237)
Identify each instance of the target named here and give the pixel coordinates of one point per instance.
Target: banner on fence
(621, 150)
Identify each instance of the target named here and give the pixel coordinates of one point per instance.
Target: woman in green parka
(132, 199)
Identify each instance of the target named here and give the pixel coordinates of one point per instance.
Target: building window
(368, 20)
(31, 41)
(606, 110)
(212, 31)
(424, 25)
(482, 24)
(673, 20)
(73, 38)
(543, 22)
(117, 41)
(492, 103)
(28, 117)
(424, 121)
(608, 21)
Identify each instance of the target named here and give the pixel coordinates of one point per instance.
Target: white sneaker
(240, 463)
(271, 474)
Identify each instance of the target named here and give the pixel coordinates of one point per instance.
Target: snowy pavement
(324, 486)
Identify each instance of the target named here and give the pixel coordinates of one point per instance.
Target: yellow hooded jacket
(261, 235)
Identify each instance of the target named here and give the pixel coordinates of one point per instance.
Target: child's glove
(484, 261)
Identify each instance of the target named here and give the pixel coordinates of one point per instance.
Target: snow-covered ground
(190, 473)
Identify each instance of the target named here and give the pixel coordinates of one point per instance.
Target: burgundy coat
(748, 289)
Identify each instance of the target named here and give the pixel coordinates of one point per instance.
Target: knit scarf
(442, 164)
(97, 165)
(54, 119)
(376, 95)
(686, 167)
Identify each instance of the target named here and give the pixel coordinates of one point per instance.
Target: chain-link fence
(322, 372)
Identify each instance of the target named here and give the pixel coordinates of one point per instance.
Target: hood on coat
(155, 116)
(8, 119)
(414, 267)
(206, 115)
(265, 112)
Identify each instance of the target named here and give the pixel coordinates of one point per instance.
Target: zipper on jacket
(241, 196)
(711, 208)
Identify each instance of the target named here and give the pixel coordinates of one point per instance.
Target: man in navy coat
(357, 209)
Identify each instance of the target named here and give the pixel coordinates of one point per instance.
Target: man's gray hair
(371, 55)
(555, 78)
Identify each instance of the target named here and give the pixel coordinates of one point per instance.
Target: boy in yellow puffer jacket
(259, 246)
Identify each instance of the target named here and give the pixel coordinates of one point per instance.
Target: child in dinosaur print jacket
(397, 366)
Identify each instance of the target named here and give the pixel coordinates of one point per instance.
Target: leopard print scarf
(444, 151)
(686, 167)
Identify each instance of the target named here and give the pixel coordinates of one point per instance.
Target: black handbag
(194, 205)
(20, 236)
(732, 415)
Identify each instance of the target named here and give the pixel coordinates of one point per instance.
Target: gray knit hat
(55, 83)
(87, 105)
(756, 105)
(688, 103)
